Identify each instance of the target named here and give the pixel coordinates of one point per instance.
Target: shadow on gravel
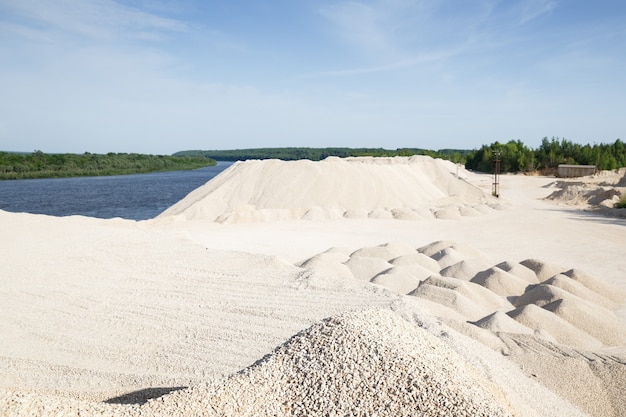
(607, 216)
(142, 396)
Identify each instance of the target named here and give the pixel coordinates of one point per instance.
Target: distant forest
(42, 165)
(514, 155)
(317, 154)
(517, 157)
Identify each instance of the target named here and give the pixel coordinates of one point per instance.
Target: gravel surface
(360, 364)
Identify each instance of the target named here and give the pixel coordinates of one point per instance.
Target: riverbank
(42, 165)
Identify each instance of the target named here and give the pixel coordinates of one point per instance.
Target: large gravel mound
(405, 188)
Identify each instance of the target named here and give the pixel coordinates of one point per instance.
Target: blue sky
(161, 76)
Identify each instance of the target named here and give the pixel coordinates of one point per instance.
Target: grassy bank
(42, 165)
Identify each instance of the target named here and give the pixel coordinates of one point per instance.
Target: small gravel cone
(371, 363)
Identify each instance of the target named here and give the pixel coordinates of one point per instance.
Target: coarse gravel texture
(364, 363)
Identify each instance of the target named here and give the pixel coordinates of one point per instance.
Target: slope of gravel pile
(600, 191)
(412, 188)
(453, 278)
(358, 364)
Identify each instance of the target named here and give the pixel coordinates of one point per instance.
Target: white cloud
(95, 19)
(359, 25)
(392, 66)
(392, 34)
(532, 9)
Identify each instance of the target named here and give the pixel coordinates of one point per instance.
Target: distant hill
(317, 154)
(514, 155)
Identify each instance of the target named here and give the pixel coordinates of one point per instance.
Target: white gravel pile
(571, 295)
(414, 188)
(358, 364)
(368, 363)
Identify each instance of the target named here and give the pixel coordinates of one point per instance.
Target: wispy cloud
(532, 9)
(95, 19)
(385, 28)
(396, 34)
(14, 30)
(396, 65)
(359, 25)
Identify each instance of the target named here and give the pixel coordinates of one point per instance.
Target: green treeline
(317, 154)
(42, 165)
(514, 156)
(517, 157)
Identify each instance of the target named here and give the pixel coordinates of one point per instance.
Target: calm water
(135, 197)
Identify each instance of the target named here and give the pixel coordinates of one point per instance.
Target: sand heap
(516, 308)
(360, 363)
(404, 188)
(372, 362)
(602, 190)
(559, 304)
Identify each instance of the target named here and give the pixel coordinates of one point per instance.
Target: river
(134, 197)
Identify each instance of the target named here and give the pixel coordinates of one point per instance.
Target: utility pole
(495, 189)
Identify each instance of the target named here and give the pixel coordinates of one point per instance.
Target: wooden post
(495, 190)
